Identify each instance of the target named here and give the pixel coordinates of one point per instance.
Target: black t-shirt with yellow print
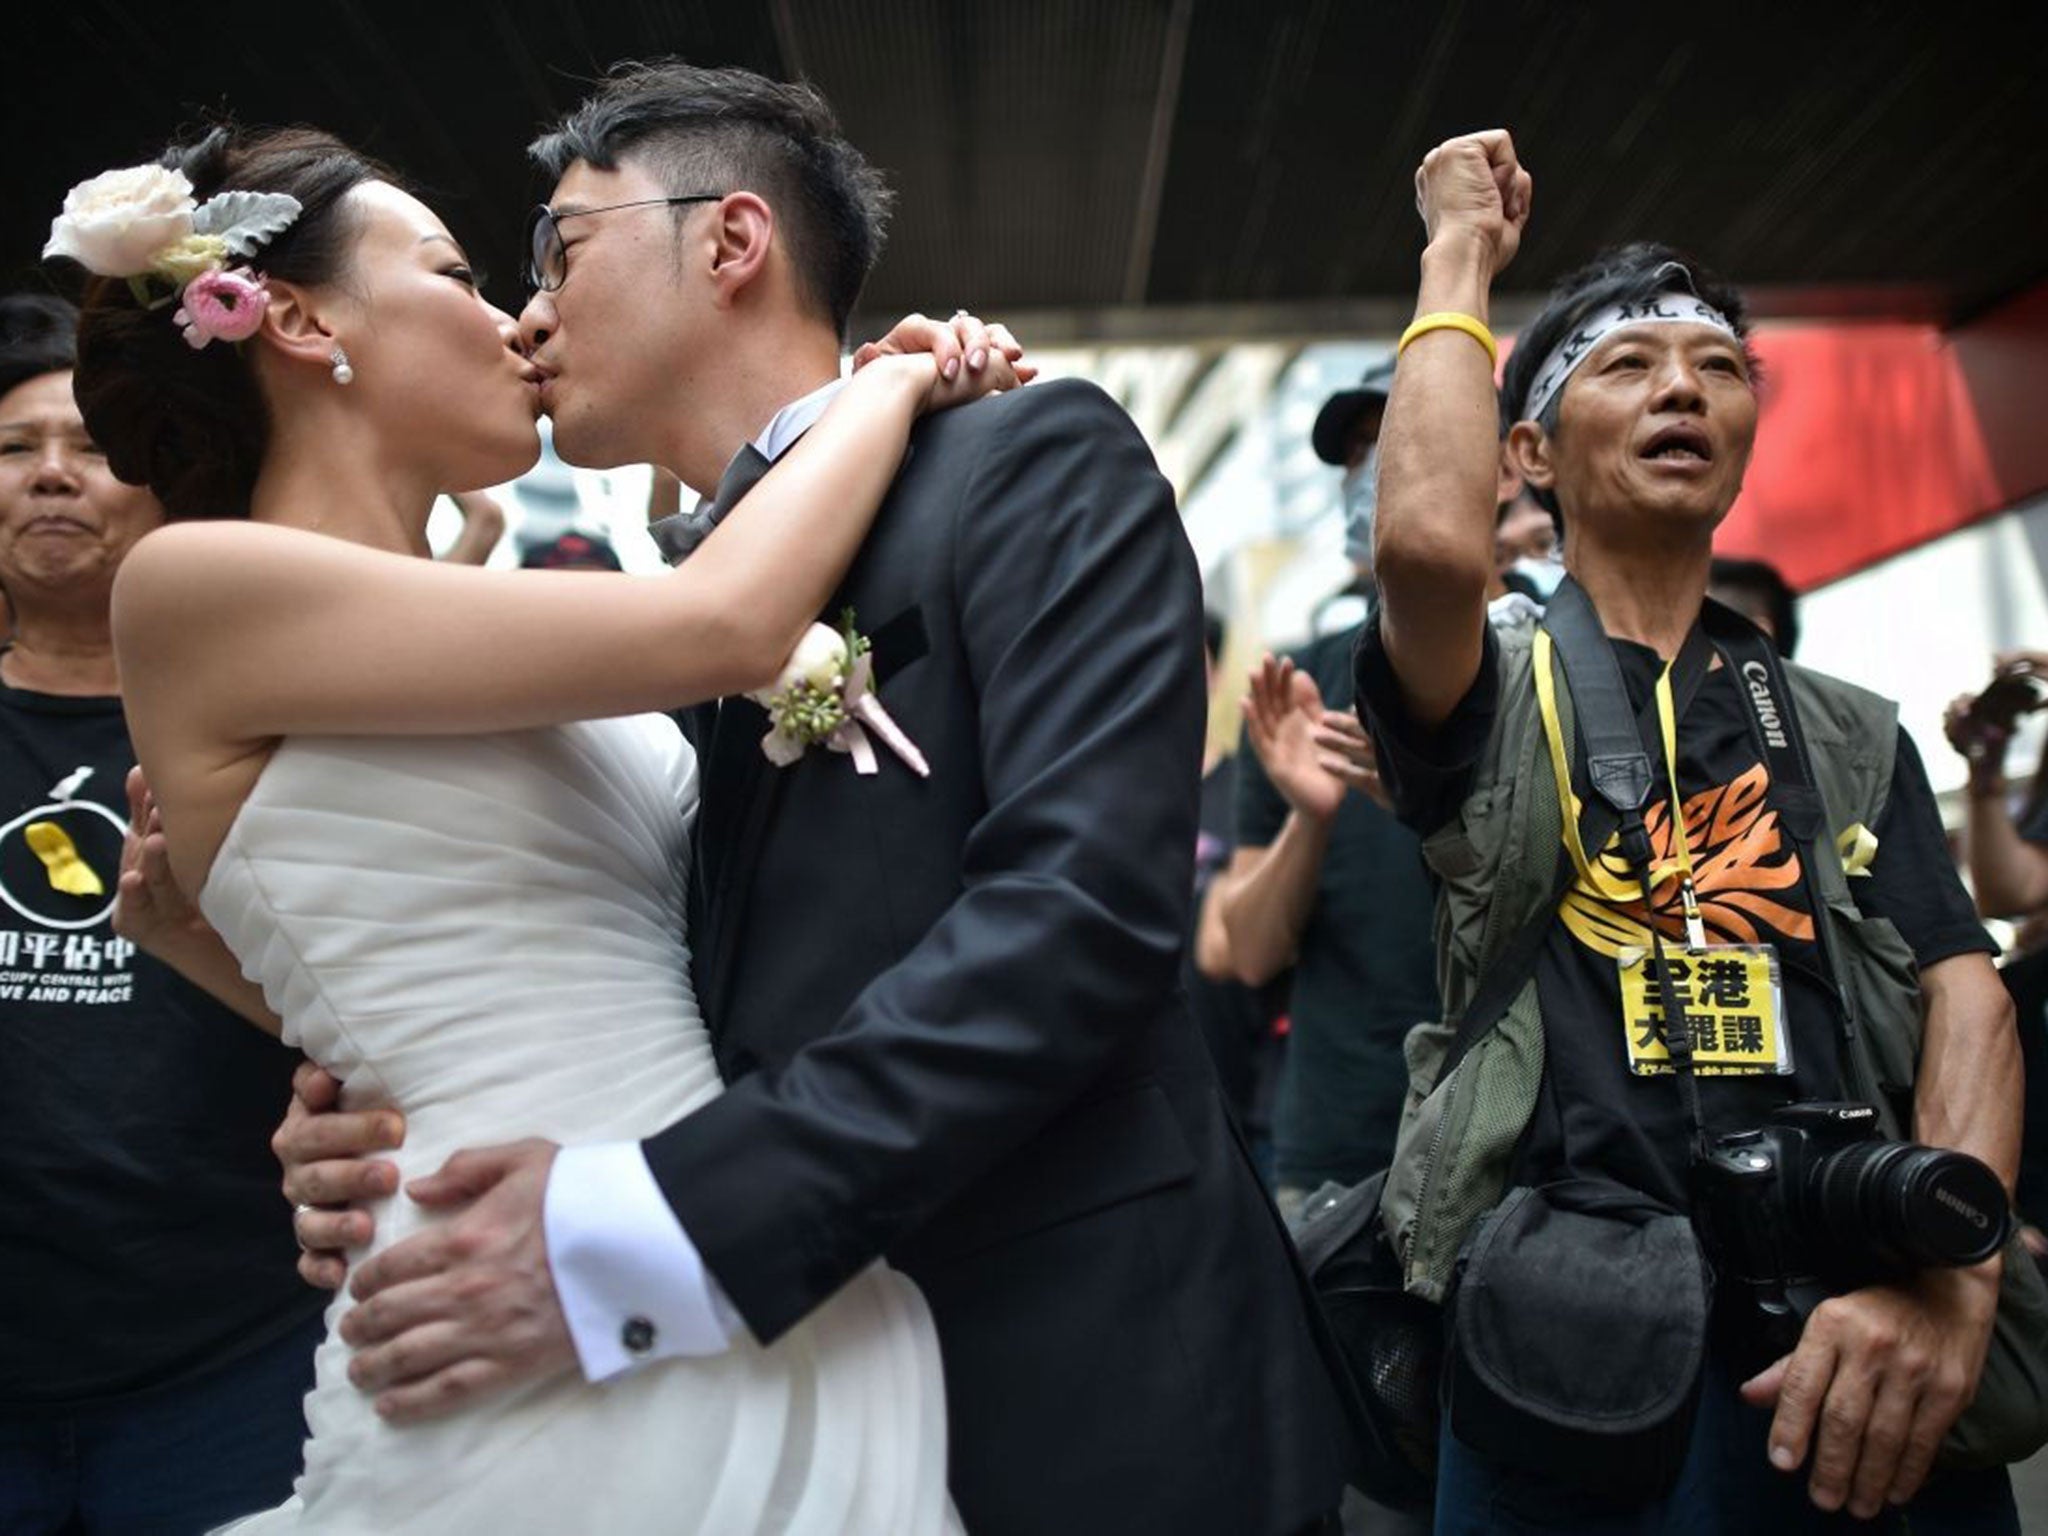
(142, 1240)
(1595, 1118)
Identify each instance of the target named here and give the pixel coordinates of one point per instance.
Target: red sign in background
(1876, 437)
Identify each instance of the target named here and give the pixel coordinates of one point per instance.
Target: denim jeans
(1727, 1487)
(172, 1462)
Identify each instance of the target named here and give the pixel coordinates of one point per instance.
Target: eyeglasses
(547, 264)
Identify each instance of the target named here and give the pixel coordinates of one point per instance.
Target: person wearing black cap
(1326, 880)
(1324, 877)
(1346, 434)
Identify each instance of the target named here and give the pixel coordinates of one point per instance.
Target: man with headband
(1574, 1076)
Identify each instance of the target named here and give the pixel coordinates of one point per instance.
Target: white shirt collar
(789, 424)
(795, 419)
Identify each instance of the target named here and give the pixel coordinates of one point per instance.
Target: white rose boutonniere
(825, 694)
(118, 223)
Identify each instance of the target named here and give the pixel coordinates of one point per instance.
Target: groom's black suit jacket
(949, 1008)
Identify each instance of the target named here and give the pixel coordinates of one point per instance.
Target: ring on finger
(298, 1211)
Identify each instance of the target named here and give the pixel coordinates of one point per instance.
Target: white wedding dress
(487, 933)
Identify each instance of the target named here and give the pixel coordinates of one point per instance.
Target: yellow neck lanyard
(1599, 880)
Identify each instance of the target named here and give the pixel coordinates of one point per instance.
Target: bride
(427, 809)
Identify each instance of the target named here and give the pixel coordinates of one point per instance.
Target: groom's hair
(727, 130)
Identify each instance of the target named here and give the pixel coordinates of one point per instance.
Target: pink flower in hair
(224, 305)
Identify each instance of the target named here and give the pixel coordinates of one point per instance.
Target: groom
(947, 1006)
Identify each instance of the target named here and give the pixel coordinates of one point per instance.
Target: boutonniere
(826, 695)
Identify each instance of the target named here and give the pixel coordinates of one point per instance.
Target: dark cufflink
(637, 1335)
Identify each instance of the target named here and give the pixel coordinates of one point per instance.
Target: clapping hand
(1313, 755)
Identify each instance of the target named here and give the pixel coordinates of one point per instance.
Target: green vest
(1496, 862)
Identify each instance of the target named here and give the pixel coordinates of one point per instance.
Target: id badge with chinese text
(1733, 1000)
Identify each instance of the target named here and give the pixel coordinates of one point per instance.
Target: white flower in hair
(118, 223)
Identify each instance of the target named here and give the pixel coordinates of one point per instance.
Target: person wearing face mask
(1323, 877)
(1347, 434)
(1528, 557)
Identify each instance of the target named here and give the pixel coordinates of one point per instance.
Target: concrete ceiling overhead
(1117, 169)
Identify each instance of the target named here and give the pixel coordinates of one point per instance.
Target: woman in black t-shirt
(1630, 407)
(157, 1339)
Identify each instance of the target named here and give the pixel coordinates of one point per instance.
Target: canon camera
(1817, 1203)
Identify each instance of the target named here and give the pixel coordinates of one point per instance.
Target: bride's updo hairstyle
(192, 425)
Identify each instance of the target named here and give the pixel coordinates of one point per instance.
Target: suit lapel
(741, 790)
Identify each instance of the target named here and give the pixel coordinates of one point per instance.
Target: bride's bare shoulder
(174, 573)
(218, 544)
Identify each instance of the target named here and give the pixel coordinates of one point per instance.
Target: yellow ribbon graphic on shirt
(68, 872)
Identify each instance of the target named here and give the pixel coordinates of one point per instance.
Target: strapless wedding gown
(487, 933)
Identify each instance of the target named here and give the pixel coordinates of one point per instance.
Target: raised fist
(1473, 187)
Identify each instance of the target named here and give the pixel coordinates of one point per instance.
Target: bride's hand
(923, 379)
(951, 343)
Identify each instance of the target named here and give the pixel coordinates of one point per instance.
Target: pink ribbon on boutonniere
(864, 709)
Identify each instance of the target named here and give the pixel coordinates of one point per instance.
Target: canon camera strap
(1794, 792)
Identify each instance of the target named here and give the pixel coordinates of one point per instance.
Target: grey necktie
(677, 536)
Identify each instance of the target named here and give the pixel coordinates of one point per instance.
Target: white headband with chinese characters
(1674, 306)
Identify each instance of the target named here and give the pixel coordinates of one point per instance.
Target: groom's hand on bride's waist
(330, 1166)
(467, 1307)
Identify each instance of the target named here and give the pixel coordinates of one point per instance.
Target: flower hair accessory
(227, 304)
(142, 224)
(826, 695)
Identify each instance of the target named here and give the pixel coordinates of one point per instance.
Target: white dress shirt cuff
(632, 1285)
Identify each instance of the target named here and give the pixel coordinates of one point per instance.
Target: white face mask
(1361, 494)
(1544, 573)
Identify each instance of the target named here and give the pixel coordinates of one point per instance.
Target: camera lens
(1901, 1206)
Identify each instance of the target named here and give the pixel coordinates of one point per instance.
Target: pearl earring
(343, 374)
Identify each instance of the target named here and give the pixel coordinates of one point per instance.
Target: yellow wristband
(1450, 320)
